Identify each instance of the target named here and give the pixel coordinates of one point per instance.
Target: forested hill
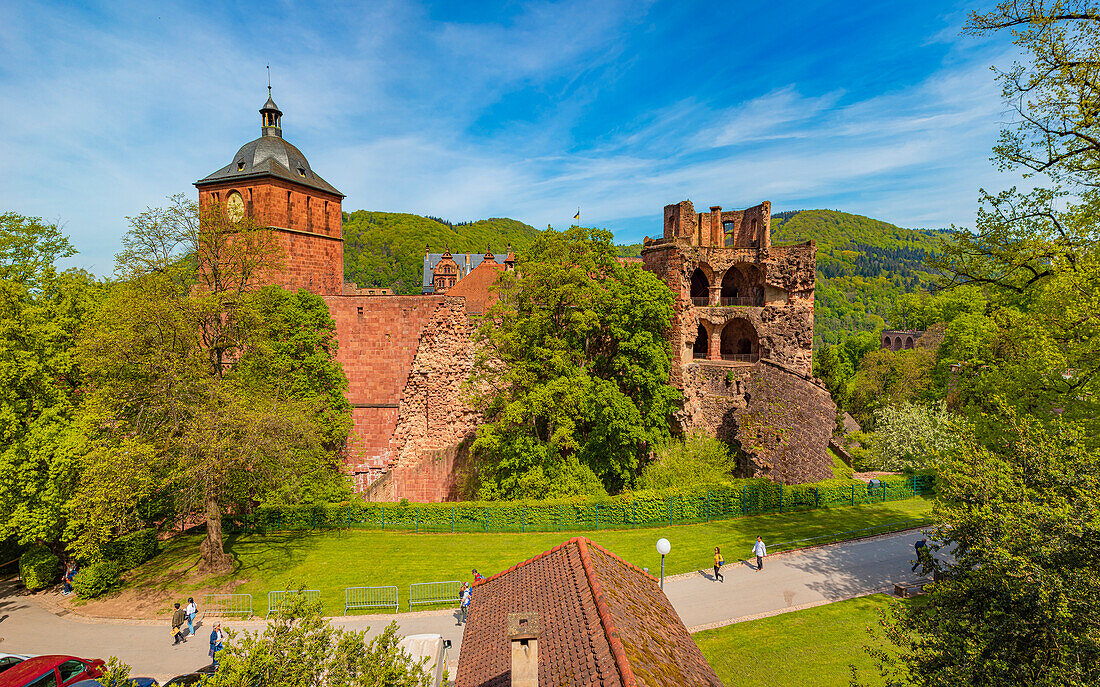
(386, 249)
(862, 264)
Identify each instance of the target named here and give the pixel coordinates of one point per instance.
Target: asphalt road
(788, 581)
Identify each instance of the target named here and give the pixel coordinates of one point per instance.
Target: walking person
(464, 606)
(760, 550)
(924, 557)
(718, 563)
(477, 576)
(178, 618)
(192, 610)
(217, 643)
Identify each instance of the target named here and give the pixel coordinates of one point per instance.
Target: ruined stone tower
(742, 338)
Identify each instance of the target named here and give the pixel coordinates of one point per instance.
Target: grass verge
(330, 561)
(814, 646)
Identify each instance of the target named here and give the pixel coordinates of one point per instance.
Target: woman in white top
(192, 610)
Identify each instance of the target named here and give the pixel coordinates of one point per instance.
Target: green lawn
(333, 560)
(811, 647)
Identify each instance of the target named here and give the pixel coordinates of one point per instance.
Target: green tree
(1019, 602)
(573, 379)
(910, 435)
(695, 459)
(41, 384)
(299, 648)
(231, 387)
(833, 368)
(889, 377)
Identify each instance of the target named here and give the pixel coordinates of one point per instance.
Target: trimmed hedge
(627, 511)
(133, 549)
(38, 568)
(97, 578)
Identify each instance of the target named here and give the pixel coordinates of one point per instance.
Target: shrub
(698, 459)
(133, 549)
(97, 578)
(38, 567)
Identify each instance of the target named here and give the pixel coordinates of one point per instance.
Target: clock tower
(270, 181)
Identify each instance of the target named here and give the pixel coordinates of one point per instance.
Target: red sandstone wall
(379, 337)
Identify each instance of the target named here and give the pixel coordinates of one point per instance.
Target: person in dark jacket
(178, 619)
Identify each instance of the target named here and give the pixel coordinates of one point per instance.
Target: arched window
(700, 347)
(700, 288)
(742, 284)
(739, 341)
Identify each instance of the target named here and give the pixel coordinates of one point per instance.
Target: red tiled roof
(474, 287)
(604, 623)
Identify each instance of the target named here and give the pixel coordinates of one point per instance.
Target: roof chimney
(523, 634)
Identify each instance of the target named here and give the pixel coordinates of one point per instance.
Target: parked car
(190, 678)
(8, 660)
(51, 671)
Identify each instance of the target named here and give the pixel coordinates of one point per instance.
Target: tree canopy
(573, 379)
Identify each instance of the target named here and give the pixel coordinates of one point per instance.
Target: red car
(51, 671)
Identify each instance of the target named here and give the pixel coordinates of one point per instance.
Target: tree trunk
(211, 551)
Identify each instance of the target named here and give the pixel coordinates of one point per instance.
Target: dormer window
(301, 171)
(240, 166)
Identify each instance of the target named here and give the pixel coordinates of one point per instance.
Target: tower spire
(270, 116)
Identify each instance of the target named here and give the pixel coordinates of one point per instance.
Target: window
(47, 680)
(240, 166)
(359, 311)
(301, 171)
(70, 669)
(730, 231)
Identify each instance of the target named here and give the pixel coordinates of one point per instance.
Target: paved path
(787, 582)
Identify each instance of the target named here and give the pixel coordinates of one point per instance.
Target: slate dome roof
(270, 155)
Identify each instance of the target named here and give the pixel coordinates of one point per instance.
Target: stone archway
(742, 284)
(909, 342)
(740, 342)
(700, 287)
(700, 350)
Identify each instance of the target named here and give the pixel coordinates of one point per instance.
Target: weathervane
(269, 80)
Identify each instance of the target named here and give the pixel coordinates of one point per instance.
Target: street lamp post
(663, 547)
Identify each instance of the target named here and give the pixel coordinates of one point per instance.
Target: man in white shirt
(760, 550)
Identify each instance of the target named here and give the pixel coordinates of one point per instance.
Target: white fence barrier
(370, 597)
(226, 604)
(434, 592)
(277, 600)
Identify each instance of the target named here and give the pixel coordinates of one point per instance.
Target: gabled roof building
(600, 622)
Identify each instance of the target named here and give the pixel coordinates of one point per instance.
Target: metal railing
(835, 537)
(741, 357)
(423, 593)
(701, 301)
(370, 597)
(226, 604)
(276, 600)
(739, 300)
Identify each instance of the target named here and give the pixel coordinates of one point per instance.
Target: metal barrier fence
(277, 599)
(834, 537)
(620, 513)
(226, 604)
(421, 593)
(370, 597)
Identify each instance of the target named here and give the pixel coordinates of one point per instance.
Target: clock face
(234, 206)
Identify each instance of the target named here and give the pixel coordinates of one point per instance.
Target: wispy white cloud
(121, 106)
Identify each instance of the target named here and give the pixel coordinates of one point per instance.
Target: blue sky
(504, 109)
